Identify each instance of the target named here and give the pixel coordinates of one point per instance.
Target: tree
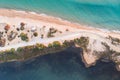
(29, 47)
(40, 46)
(50, 45)
(82, 42)
(76, 40)
(20, 49)
(35, 34)
(66, 43)
(42, 35)
(22, 26)
(50, 35)
(24, 37)
(17, 29)
(56, 44)
(51, 32)
(12, 50)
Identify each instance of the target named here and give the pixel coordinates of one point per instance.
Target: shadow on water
(65, 65)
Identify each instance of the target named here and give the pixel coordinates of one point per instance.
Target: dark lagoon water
(65, 65)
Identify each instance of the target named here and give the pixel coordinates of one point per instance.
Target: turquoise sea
(65, 65)
(96, 13)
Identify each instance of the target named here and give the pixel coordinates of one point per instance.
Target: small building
(7, 27)
(33, 29)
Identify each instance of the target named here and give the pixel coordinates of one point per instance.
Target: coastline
(32, 16)
(97, 36)
(48, 18)
(45, 18)
(40, 17)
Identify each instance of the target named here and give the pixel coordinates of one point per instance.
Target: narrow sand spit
(14, 18)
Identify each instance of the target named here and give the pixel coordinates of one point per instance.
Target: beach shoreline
(96, 36)
(44, 17)
(48, 18)
(11, 13)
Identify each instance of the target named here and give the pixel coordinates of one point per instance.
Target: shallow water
(96, 13)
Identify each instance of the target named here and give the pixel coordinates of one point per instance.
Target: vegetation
(9, 55)
(27, 48)
(28, 31)
(40, 46)
(5, 31)
(67, 29)
(17, 29)
(60, 32)
(40, 49)
(22, 26)
(51, 32)
(68, 43)
(12, 50)
(27, 51)
(56, 44)
(114, 40)
(20, 49)
(12, 57)
(49, 35)
(42, 35)
(82, 42)
(35, 34)
(65, 43)
(24, 37)
(50, 45)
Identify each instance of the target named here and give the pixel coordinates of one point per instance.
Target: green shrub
(50, 35)
(42, 35)
(22, 28)
(40, 46)
(65, 43)
(12, 50)
(82, 42)
(50, 45)
(17, 29)
(51, 32)
(35, 34)
(20, 49)
(56, 44)
(24, 37)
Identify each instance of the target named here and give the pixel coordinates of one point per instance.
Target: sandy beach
(41, 18)
(35, 18)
